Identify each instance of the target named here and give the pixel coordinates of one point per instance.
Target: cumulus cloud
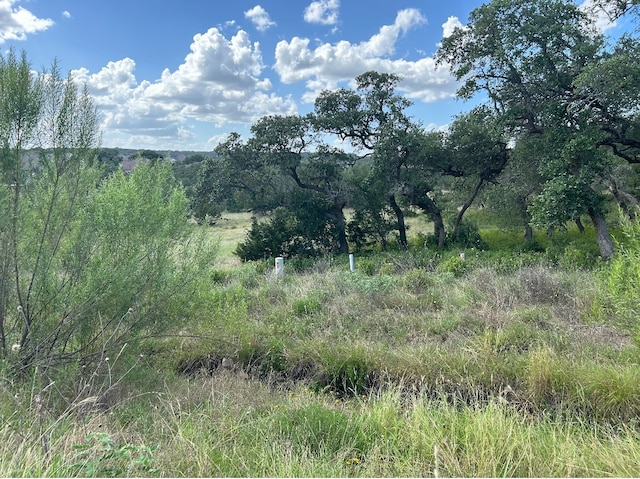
(450, 25)
(17, 22)
(66, 14)
(324, 12)
(325, 66)
(220, 82)
(260, 18)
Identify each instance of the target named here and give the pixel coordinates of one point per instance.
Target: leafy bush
(467, 236)
(418, 280)
(100, 456)
(285, 234)
(454, 265)
(306, 306)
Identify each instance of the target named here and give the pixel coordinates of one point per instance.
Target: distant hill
(177, 156)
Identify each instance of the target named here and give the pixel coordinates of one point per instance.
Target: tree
(235, 179)
(21, 104)
(109, 160)
(149, 155)
(364, 117)
(373, 218)
(187, 173)
(615, 8)
(526, 56)
(476, 141)
(511, 196)
(607, 97)
(285, 143)
(410, 162)
(80, 255)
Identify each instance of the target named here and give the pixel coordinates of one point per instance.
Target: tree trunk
(337, 216)
(466, 206)
(605, 243)
(528, 234)
(579, 225)
(627, 202)
(402, 229)
(426, 204)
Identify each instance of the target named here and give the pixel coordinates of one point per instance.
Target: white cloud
(260, 18)
(324, 12)
(16, 23)
(450, 25)
(223, 84)
(219, 82)
(329, 64)
(600, 18)
(66, 14)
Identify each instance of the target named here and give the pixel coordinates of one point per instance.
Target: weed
(100, 456)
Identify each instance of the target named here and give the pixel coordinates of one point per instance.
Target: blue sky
(181, 75)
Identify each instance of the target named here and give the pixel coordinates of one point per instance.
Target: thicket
(89, 264)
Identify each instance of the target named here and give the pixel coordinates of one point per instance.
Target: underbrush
(419, 363)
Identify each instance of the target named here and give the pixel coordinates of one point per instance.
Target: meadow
(508, 362)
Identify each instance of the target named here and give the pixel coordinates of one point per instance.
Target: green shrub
(367, 266)
(467, 236)
(100, 456)
(454, 265)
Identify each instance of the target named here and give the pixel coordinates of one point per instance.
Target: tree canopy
(550, 142)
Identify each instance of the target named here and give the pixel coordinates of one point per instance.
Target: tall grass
(416, 364)
(227, 425)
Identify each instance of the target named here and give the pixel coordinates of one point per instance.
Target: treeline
(557, 141)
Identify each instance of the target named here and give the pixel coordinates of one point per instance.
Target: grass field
(417, 364)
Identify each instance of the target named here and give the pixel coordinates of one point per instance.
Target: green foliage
(100, 456)
(268, 239)
(370, 285)
(621, 278)
(302, 231)
(418, 280)
(132, 227)
(95, 259)
(306, 306)
(367, 266)
(109, 161)
(187, 173)
(467, 236)
(454, 265)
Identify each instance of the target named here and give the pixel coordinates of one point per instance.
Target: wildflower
(15, 348)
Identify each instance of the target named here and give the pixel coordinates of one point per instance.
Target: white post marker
(352, 263)
(279, 267)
